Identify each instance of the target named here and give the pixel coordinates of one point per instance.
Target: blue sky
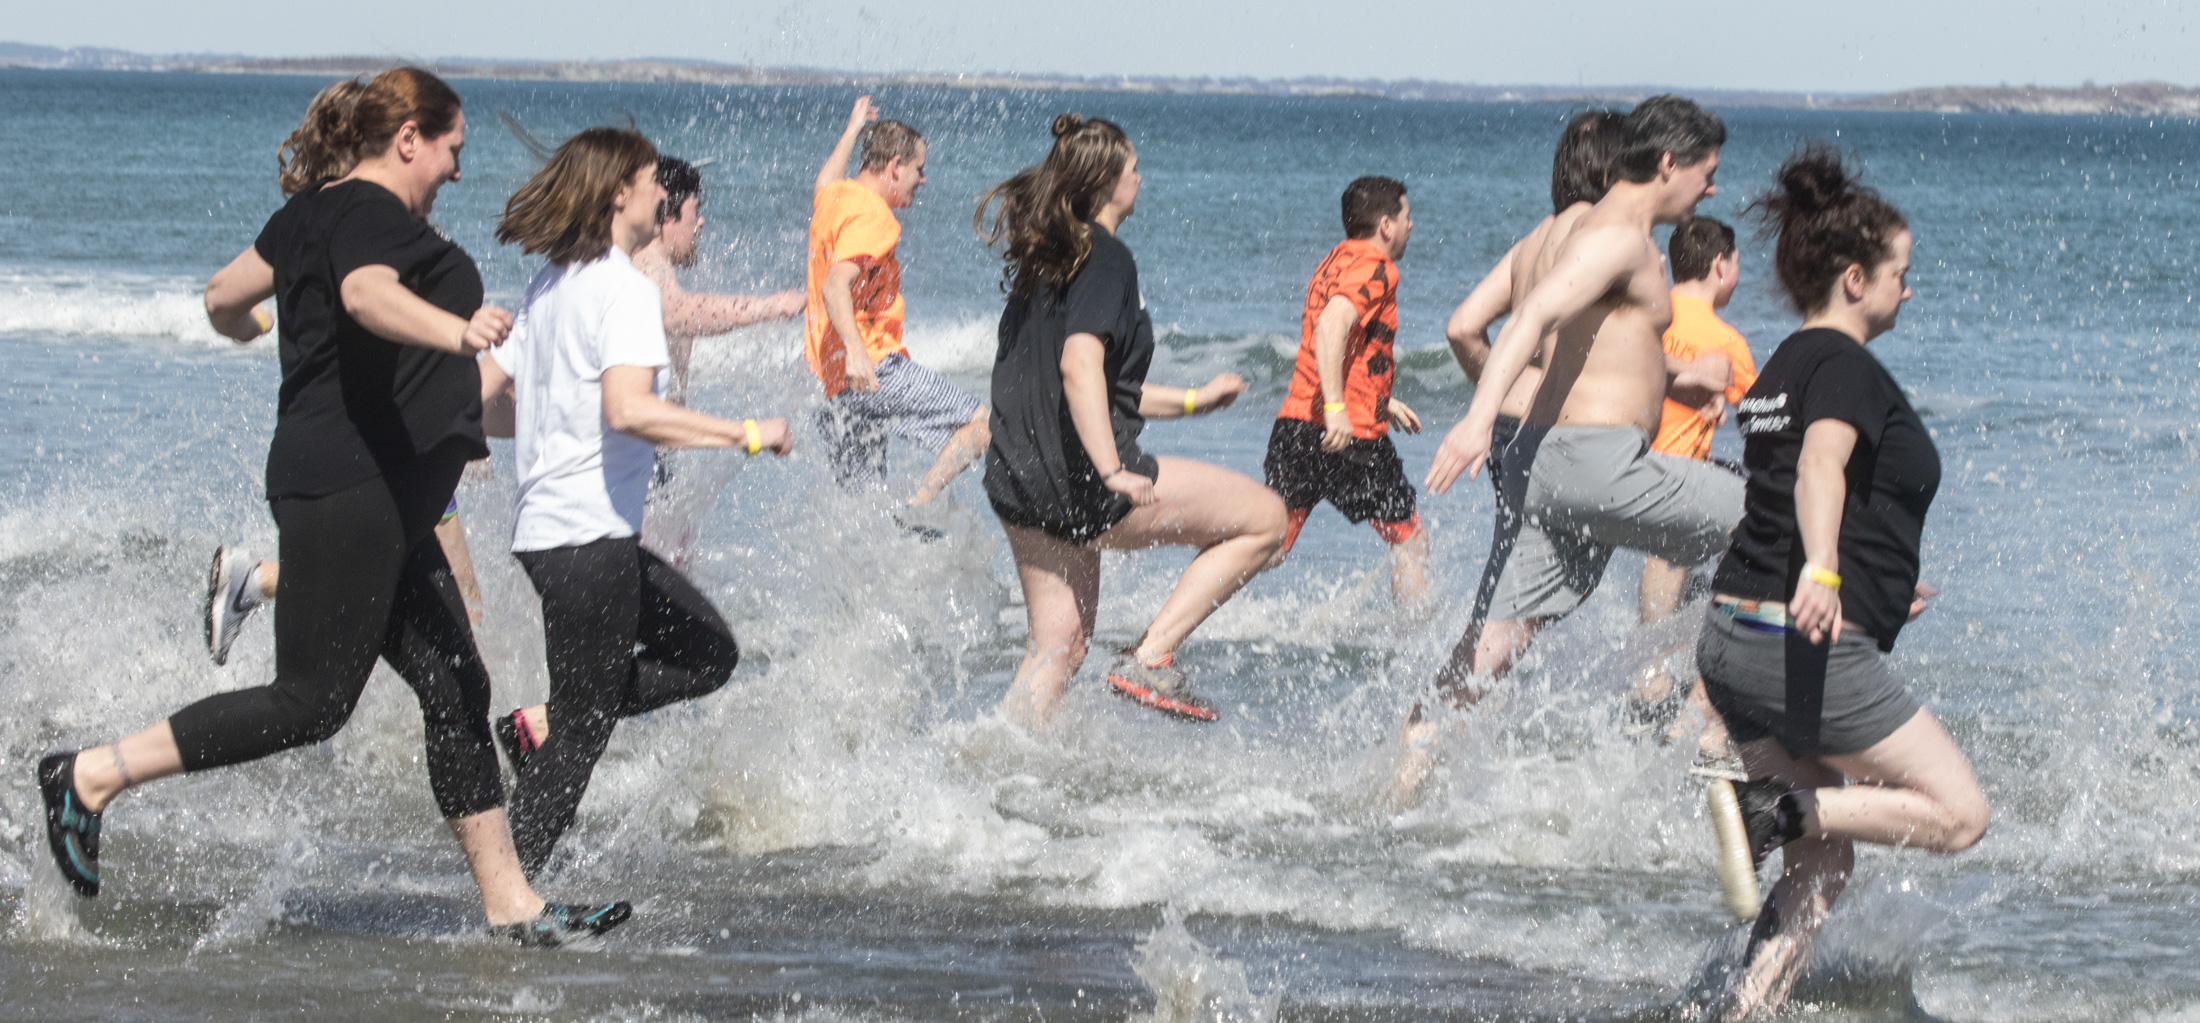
(1844, 46)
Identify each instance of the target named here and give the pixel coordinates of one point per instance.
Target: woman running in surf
(1063, 469)
(380, 409)
(580, 386)
(1821, 578)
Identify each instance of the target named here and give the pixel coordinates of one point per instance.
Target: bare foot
(1417, 758)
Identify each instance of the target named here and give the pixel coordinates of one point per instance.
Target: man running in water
(852, 330)
(690, 315)
(1580, 478)
(1331, 441)
(1706, 265)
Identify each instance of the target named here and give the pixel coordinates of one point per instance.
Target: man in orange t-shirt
(1331, 441)
(872, 387)
(1706, 266)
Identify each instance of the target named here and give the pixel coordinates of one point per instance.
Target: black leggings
(363, 577)
(625, 634)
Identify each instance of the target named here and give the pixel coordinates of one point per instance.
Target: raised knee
(1965, 831)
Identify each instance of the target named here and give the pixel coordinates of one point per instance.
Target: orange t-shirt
(851, 224)
(1697, 331)
(1362, 272)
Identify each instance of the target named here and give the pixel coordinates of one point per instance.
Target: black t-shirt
(1036, 470)
(1892, 476)
(352, 404)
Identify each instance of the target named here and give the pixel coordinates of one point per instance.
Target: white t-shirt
(579, 480)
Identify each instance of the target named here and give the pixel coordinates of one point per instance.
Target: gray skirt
(1817, 702)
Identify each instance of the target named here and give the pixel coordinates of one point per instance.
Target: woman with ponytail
(1064, 469)
(379, 411)
(1821, 578)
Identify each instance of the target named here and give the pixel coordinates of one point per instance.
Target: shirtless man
(689, 315)
(1591, 306)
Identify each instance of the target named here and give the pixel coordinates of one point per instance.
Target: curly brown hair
(1040, 220)
(353, 120)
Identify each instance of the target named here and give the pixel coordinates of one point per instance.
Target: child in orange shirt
(1331, 441)
(871, 386)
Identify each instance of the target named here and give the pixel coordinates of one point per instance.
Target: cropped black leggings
(363, 577)
(625, 634)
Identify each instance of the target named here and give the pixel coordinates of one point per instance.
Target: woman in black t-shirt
(1822, 575)
(379, 411)
(1064, 470)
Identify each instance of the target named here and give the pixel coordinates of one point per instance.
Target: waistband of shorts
(1768, 616)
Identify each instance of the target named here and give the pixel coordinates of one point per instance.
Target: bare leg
(486, 838)
(1713, 741)
(269, 574)
(1061, 599)
(147, 756)
(1912, 788)
(1409, 570)
(1236, 523)
(961, 450)
(151, 755)
(452, 535)
(1662, 585)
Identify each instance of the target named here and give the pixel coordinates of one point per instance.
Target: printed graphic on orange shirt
(1361, 272)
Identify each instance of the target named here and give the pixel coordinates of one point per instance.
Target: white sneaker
(232, 594)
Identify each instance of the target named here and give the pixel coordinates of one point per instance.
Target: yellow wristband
(261, 317)
(756, 435)
(1191, 401)
(1822, 577)
(1333, 406)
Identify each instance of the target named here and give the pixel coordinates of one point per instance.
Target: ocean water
(850, 832)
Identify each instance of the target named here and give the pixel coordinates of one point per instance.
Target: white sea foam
(105, 306)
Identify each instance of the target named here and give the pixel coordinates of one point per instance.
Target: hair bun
(1814, 179)
(1066, 123)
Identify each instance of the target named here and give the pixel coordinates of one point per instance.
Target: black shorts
(1364, 481)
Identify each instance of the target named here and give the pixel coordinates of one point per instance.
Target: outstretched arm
(704, 315)
(1587, 268)
(1156, 401)
(1469, 329)
(631, 408)
(836, 165)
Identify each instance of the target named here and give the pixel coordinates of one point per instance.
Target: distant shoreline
(2141, 99)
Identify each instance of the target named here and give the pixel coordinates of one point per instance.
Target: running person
(1582, 168)
(1841, 472)
(1331, 441)
(1706, 266)
(690, 315)
(680, 501)
(852, 326)
(625, 633)
(379, 413)
(1064, 471)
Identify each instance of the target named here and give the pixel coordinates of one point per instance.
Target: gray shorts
(1815, 701)
(1577, 492)
(911, 400)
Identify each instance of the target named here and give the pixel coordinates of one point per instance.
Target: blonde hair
(564, 211)
(353, 120)
(1040, 220)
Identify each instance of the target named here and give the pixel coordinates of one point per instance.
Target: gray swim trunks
(1581, 491)
(1817, 702)
(911, 400)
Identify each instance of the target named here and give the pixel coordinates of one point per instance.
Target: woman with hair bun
(379, 411)
(1064, 470)
(1821, 578)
